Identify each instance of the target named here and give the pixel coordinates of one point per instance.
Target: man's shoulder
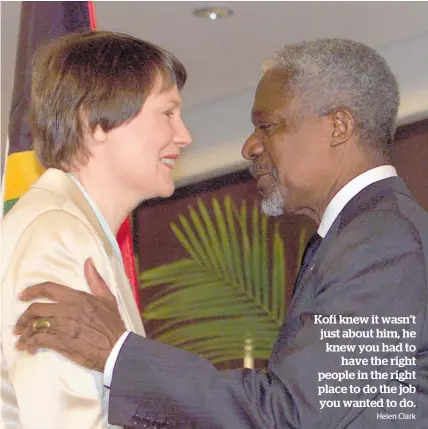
(386, 208)
(389, 221)
(382, 227)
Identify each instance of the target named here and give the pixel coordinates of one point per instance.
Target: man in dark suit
(324, 117)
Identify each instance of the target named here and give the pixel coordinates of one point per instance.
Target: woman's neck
(115, 204)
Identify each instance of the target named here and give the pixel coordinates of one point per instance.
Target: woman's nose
(183, 137)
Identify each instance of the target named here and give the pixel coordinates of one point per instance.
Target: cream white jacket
(47, 236)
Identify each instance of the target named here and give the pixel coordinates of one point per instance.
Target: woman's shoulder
(51, 205)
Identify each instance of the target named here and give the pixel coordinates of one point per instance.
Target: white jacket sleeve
(51, 391)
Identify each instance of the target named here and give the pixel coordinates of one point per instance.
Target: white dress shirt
(101, 219)
(333, 210)
(349, 191)
(108, 371)
(111, 361)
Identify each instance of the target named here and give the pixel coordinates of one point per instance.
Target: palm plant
(231, 289)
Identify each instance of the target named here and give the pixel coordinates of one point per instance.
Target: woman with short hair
(106, 123)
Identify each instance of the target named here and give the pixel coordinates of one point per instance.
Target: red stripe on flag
(124, 238)
(92, 15)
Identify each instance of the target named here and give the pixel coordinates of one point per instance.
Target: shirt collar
(349, 191)
(101, 219)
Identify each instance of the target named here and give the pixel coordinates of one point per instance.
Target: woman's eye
(169, 114)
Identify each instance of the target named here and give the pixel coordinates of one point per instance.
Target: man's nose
(252, 148)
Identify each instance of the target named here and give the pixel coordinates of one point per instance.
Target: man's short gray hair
(329, 74)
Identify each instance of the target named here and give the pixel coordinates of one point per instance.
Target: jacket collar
(60, 183)
(369, 197)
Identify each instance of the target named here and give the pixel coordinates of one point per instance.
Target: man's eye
(265, 126)
(169, 114)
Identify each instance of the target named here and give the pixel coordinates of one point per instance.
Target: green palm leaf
(231, 288)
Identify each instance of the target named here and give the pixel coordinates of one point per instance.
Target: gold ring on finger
(40, 324)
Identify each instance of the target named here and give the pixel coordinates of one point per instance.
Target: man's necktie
(310, 250)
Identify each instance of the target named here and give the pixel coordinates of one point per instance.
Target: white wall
(220, 129)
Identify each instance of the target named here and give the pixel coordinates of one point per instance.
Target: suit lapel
(365, 200)
(311, 269)
(369, 197)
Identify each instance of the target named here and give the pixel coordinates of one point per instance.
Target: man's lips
(263, 174)
(258, 171)
(260, 175)
(264, 183)
(264, 178)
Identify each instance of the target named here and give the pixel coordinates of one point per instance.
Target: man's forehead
(272, 93)
(261, 110)
(268, 102)
(275, 79)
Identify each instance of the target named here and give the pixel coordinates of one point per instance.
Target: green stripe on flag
(39, 22)
(8, 205)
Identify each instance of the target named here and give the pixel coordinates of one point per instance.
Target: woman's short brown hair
(106, 75)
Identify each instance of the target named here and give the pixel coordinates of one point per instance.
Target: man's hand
(83, 327)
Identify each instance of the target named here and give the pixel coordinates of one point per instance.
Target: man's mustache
(258, 169)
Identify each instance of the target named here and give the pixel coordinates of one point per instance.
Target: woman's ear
(99, 135)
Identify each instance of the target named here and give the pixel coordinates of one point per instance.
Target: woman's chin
(167, 191)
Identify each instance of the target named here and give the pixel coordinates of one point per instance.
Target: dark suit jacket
(373, 261)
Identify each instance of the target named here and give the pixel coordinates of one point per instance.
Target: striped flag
(41, 21)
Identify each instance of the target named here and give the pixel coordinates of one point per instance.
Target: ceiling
(223, 59)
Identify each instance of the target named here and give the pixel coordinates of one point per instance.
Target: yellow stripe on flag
(22, 170)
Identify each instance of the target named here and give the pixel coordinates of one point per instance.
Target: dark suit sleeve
(375, 267)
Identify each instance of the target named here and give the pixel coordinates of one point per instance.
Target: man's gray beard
(274, 204)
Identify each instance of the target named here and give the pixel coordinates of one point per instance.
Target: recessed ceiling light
(213, 13)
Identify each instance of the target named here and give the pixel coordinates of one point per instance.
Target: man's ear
(343, 127)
